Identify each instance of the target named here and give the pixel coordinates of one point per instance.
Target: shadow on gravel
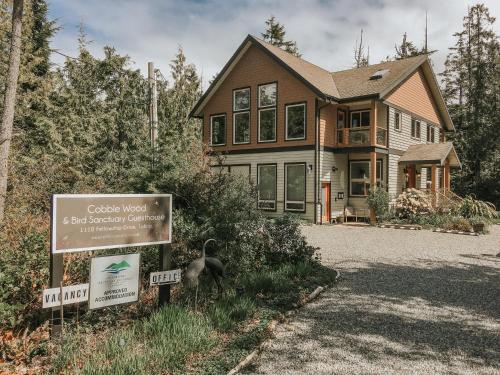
(432, 311)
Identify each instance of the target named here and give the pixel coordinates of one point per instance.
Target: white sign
(71, 294)
(165, 277)
(114, 280)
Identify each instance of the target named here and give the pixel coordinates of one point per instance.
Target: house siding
(256, 68)
(279, 158)
(416, 86)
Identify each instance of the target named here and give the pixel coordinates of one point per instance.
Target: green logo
(116, 268)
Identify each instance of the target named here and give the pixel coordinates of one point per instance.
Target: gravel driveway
(407, 302)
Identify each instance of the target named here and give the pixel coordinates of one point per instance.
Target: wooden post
(373, 123)
(447, 181)
(56, 279)
(373, 181)
(434, 176)
(165, 265)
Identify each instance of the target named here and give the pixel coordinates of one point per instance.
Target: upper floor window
(397, 121)
(267, 112)
(241, 99)
(267, 95)
(218, 130)
(241, 127)
(360, 118)
(415, 128)
(341, 119)
(430, 133)
(295, 121)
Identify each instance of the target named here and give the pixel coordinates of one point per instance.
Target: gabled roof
(357, 82)
(431, 153)
(341, 86)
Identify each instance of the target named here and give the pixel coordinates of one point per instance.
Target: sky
(210, 31)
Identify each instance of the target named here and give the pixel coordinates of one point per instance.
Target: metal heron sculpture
(197, 266)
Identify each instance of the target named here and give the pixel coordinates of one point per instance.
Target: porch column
(434, 176)
(373, 181)
(447, 182)
(373, 123)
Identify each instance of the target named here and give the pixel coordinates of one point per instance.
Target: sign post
(165, 265)
(87, 222)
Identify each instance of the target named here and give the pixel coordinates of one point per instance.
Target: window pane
(299, 206)
(218, 130)
(360, 170)
(397, 119)
(242, 127)
(295, 182)
(267, 182)
(365, 118)
(340, 120)
(359, 188)
(296, 121)
(267, 95)
(355, 119)
(267, 123)
(379, 170)
(241, 99)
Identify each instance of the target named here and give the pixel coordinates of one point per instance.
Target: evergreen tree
(275, 34)
(408, 49)
(471, 82)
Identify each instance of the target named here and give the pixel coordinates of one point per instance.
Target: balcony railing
(360, 136)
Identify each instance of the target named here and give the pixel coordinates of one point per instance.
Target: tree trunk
(10, 100)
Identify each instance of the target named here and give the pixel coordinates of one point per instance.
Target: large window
(360, 118)
(397, 121)
(241, 116)
(415, 128)
(241, 127)
(341, 119)
(267, 101)
(266, 181)
(218, 130)
(295, 187)
(241, 99)
(360, 177)
(240, 170)
(295, 121)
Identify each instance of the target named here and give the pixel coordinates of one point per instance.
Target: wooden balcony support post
(373, 181)
(446, 176)
(373, 123)
(434, 177)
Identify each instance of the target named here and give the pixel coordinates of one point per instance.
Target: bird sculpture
(194, 270)
(217, 270)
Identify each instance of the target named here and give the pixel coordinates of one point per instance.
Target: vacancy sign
(114, 280)
(165, 277)
(82, 222)
(70, 294)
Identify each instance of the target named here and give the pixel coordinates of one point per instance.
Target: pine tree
(275, 34)
(471, 82)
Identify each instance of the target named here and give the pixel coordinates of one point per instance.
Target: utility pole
(165, 249)
(9, 102)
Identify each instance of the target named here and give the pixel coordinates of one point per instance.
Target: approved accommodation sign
(82, 222)
(114, 280)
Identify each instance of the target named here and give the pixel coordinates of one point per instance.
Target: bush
(412, 202)
(471, 207)
(378, 200)
(458, 223)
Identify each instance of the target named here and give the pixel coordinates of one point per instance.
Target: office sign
(70, 294)
(165, 277)
(82, 222)
(114, 280)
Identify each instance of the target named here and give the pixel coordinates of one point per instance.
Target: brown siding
(254, 68)
(327, 125)
(415, 96)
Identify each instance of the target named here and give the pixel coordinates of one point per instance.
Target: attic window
(379, 73)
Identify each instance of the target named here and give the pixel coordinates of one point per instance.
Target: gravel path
(407, 302)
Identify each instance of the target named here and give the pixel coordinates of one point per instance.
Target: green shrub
(472, 207)
(378, 200)
(458, 223)
(412, 202)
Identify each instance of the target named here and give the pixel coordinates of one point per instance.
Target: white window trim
(400, 125)
(413, 120)
(234, 128)
(286, 121)
(286, 192)
(431, 133)
(258, 125)
(360, 116)
(259, 201)
(367, 180)
(275, 99)
(211, 130)
(234, 100)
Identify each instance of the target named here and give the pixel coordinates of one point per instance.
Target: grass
(211, 341)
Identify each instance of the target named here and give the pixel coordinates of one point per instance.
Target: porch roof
(432, 153)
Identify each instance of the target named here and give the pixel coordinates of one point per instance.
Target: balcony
(360, 136)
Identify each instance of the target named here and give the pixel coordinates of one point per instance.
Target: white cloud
(211, 30)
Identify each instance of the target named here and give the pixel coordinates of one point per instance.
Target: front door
(325, 202)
